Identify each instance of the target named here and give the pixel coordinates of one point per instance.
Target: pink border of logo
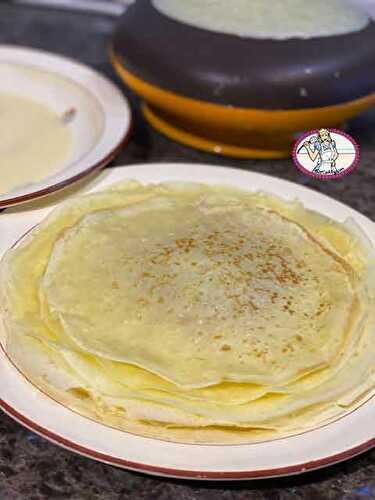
(323, 177)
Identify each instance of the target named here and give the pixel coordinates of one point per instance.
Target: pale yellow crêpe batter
(34, 141)
(276, 19)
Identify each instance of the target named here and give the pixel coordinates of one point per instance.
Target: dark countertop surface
(31, 468)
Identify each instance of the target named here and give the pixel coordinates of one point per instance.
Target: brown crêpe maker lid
(244, 72)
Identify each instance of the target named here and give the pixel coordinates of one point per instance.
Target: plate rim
(52, 187)
(180, 473)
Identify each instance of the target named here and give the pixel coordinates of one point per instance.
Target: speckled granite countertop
(30, 467)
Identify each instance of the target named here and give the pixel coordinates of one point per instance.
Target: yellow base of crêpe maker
(232, 131)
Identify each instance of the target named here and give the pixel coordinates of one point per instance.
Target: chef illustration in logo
(326, 154)
(322, 149)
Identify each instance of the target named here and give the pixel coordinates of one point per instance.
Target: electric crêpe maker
(245, 78)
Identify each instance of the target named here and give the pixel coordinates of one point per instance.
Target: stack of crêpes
(193, 313)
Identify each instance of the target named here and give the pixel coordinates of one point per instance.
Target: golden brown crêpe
(191, 312)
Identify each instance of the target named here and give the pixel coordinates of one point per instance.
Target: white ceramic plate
(100, 121)
(338, 441)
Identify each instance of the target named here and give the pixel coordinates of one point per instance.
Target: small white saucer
(96, 111)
